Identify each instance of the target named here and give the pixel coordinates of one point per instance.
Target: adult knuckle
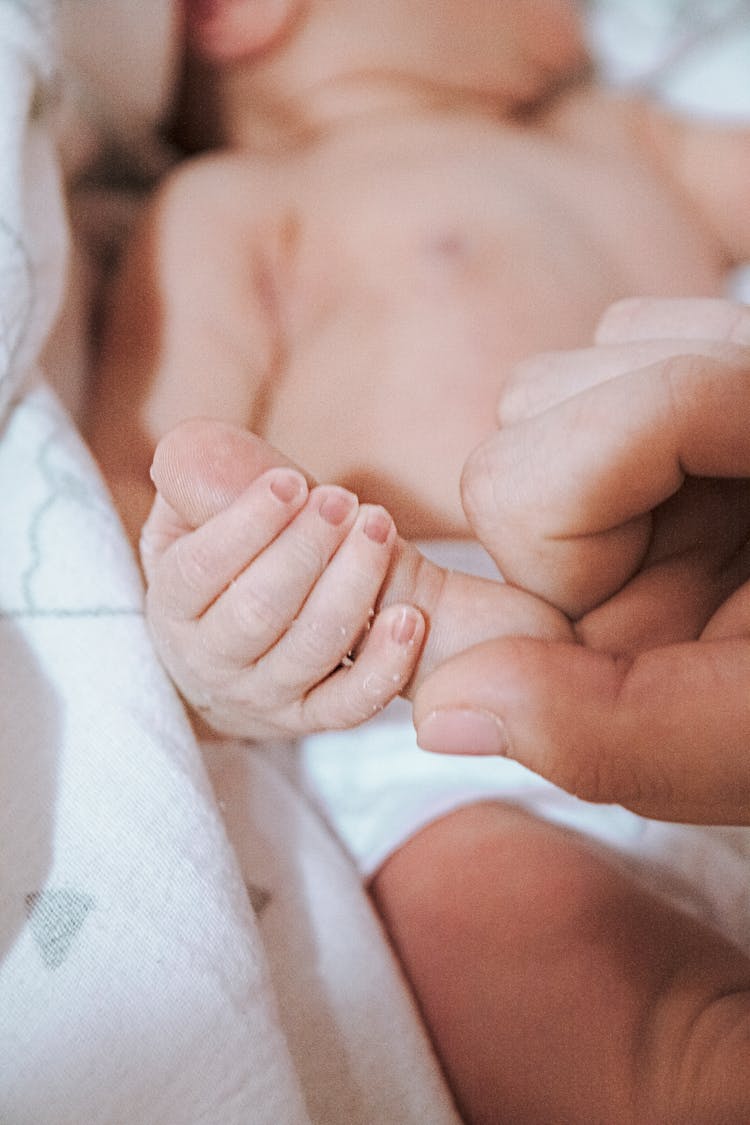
(592, 775)
(481, 480)
(683, 369)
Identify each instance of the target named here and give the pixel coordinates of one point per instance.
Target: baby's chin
(553, 44)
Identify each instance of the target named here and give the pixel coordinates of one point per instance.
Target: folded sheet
(181, 940)
(135, 985)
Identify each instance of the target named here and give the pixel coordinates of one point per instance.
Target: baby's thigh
(555, 987)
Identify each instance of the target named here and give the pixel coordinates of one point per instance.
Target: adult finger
(563, 501)
(544, 380)
(694, 318)
(666, 734)
(631, 334)
(698, 556)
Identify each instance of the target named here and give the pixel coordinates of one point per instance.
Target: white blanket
(174, 947)
(134, 982)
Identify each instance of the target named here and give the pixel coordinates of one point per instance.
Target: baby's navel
(450, 245)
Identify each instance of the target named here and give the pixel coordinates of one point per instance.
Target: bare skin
(349, 262)
(643, 537)
(554, 985)
(355, 282)
(258, 645)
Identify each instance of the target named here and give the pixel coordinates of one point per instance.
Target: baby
(406, 199)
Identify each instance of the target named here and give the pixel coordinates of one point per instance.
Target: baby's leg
(204, 473)
(710, 163)
(556, 988)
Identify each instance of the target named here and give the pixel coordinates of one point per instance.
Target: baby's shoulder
(208, 217)
(215, 195)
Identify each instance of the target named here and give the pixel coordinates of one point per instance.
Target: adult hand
(618, 488)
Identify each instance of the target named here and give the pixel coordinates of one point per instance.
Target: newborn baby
(405, 201)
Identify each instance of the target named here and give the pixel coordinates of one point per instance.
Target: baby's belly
(391, 404)
(393, 380)
(404, 450)
(395, 425)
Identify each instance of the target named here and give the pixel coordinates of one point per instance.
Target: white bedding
(165, 956)
(134, 981)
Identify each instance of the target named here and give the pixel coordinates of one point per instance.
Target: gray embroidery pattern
(55, 919)
(16, 301)
(64, 492)
(259, 897)
(73, 495)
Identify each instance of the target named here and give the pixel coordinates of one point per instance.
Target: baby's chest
(411, 296)
(480, 234)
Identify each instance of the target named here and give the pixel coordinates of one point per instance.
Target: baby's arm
(188, 330)
(255, 612)
(254, 602)
(710, 165)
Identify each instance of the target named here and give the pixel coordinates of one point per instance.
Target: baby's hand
(255, 600)
(255, 611)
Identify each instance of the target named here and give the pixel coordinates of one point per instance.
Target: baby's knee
(490, 866)
(578, 966)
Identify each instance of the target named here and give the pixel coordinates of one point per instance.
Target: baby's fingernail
(287, 485)
(377, 526)
(404, 627)
(336, 506)
(463, 732)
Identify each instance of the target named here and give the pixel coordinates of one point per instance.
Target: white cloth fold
(176, 945)
(134, 978)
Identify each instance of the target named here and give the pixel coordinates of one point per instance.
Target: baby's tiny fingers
(382, 669)
(200, 565)
(256, 611)
(338, 610)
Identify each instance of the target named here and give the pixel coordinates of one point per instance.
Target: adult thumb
(665, 733)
